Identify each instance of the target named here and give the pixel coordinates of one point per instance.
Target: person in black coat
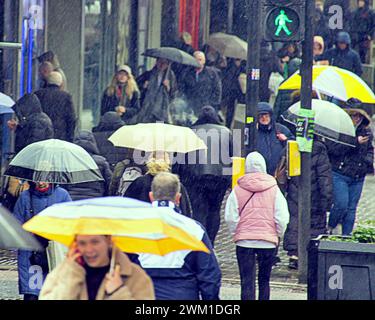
(109, 123)
(208, 176)
(350, 167)
(141, 187)
(122, 96)
(202, 87)
(58, 105)
(92, 189)
(321, 200)
(362, 28)
(33, 124)
(272, 137)
(343, 56)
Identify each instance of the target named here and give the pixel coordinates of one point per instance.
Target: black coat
(110, 102)
(353, 162)
(362, 24)
(34, 125)
(108, 124)
(141, 188)
(321, 198)
(218, 139)
(207, 91)
(94, 189)
(58, 105)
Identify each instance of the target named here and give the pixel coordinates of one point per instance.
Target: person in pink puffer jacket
(257, 214)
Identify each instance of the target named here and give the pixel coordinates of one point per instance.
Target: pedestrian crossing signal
(284, 21)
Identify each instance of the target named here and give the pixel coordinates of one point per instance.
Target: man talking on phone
(85, 274)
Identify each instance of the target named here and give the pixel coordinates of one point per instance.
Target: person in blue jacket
(180, 275)
(272, 137)
(33, 266)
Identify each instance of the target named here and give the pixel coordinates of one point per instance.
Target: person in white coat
(257, 215)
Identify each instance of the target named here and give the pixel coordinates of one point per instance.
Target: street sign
(284, 21)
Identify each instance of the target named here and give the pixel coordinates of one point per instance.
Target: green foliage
(364, 233)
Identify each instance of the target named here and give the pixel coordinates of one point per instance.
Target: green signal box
(283, 21)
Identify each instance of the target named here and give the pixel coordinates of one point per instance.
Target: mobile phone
(80, 260)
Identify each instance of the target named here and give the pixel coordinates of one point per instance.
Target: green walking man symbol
(281, 21)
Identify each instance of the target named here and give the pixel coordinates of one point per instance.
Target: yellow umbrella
(334, 82)
(135, 227)
(157, 137)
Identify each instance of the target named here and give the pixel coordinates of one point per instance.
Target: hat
(125, 68)
(264, 107)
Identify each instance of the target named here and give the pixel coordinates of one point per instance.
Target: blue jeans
(346, 194)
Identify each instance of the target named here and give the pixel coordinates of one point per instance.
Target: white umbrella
(331, 121)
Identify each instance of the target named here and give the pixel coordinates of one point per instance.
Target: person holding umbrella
(158, 88)
(86, 274)
(40, 196)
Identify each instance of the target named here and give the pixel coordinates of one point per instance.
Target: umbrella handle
(112, 265)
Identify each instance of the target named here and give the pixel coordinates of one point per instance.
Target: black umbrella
(172, 54)
(12, 236)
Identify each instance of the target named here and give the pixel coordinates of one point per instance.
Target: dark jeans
(246, 262)
(206, 195)
(346, 194)
(30, 297)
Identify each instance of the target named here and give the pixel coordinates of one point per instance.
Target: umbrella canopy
(12, 236)
(135, 227)
(54, 161)
(172, 54)
(331, 121)
(6, 103)
(157, 137)
(334, 82)
(228, 45)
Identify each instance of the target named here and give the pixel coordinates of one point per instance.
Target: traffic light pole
(304, 194)
(254, 29)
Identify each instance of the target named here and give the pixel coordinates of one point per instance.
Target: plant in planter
(342, 267)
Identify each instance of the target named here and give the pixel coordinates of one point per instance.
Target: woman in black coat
(122, 96)
(321, 201)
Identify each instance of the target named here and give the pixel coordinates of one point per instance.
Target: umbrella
(6, 103)
(331, 121)
(12, 236)
(228, 45)
(136, 227)
(334, 82)
(157, 137)
(54, 161)
(172, 54)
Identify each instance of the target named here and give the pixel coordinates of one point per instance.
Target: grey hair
(165, 186)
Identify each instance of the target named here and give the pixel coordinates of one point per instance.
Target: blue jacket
(184, 275)
(268, 145)
(29, 280)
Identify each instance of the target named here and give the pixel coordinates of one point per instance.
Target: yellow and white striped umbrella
(135, 227)
(334, 82)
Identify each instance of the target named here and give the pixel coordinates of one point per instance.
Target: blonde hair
(157, 164)
(131, 86)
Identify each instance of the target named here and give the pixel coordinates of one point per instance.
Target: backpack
(129, 175)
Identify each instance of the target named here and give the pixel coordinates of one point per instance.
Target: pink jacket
(257, 216)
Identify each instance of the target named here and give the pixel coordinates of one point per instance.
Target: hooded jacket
(363, 23)
(108, 124)
(346, 59)
(93, 189)
(184, 275)
(256, 210)
(34, 125)
(29, 204)
(354, 162)
(68, 282)
(268, 144)
(321, 198)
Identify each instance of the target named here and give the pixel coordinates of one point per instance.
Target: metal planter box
(341, 270)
